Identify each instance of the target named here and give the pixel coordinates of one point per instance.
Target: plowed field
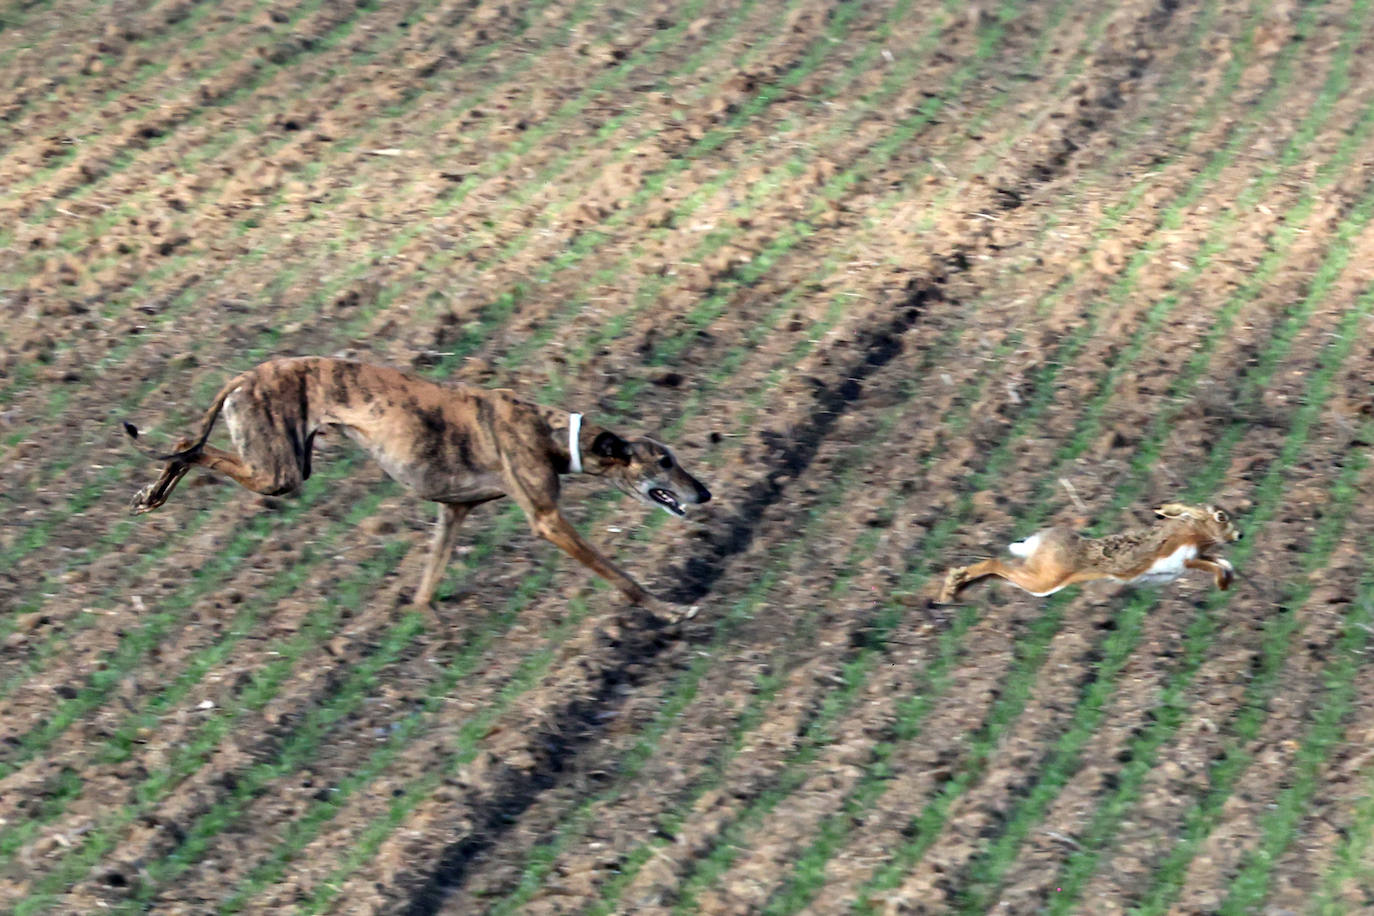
(901, 282)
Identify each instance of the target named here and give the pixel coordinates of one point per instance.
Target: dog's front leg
(534, 486)
(451, 517)
(556, 529)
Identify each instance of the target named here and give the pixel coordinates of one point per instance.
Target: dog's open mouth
(668, 501)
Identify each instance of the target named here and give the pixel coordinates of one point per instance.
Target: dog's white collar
(574, 446)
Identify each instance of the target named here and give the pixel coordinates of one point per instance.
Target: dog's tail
(207, 425)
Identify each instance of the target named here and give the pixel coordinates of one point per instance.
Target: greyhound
(453, 444)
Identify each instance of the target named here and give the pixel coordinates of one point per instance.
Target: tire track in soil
(840, 470)
(788, 458)
(658, 721)
(737, 540)
(947, 419)
(665, 710)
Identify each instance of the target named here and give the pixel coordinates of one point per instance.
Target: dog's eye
(1220, 516)
(665, 462)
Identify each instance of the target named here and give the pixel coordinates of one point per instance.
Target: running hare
(1055, 557)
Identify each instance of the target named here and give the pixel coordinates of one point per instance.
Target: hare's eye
(665, 462)
(1220, 516)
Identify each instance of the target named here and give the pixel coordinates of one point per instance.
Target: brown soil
(842, 253)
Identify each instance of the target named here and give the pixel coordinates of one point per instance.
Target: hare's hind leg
(961, 577)
(1038, 581)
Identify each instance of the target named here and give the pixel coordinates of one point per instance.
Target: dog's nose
(703, 494)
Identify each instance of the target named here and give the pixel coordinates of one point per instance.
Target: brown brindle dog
(454, 444)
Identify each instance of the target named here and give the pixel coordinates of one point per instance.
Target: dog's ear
(1172, 510)
(609, 445)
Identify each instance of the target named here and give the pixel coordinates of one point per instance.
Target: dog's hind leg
(156, 493)
(451, 517)
(271, 462)
(281, 479)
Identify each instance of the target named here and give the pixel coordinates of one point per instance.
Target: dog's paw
(142, 501)
(671, 620)
(656, 617)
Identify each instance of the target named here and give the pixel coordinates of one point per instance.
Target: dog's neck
(574, 447)
(561, 431)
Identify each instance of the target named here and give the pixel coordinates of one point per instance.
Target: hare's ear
(1172, 510)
